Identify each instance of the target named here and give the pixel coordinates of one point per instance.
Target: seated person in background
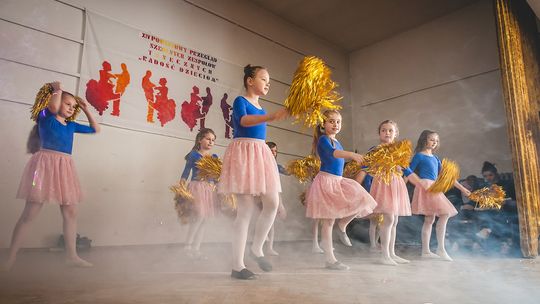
(500, 228)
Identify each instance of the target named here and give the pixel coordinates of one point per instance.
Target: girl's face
(260, 83)
(67, 107)
(274, 151)
(489, 176)
(432, 141)
(332, 124)
(387, 133)
(207, 142)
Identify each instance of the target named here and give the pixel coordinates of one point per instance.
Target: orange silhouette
(165, 107)
(122, 81)
(148, 88)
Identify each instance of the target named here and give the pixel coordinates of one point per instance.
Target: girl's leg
(342, 225)
(199, 234)
(426, 237)
(441, 233)
(29, 213)
(192, 231)
(69, 214)
(386, 235)
(270, 243)
(373, 234)
(315, 232)
(328, 247)
(270, 202)
(240, 226)
(393, 255)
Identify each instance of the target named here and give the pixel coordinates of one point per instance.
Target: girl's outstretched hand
(280, 114)
(56, 85)
(359, 158)
(82, 104)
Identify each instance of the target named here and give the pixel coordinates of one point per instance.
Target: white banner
(138, 80)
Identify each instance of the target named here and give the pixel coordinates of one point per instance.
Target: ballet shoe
(430, 255)
(243, 274)
(444, 256)
(388, 261)
(400, 260)
(337, 265)
(263, 263)
(80, 263)
(344, 239)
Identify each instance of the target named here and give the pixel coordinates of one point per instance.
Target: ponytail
(33, 144)
(319, 131)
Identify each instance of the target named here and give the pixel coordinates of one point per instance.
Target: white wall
(443, 76)
(128, 201)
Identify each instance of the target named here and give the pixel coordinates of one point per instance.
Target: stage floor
(163, 274)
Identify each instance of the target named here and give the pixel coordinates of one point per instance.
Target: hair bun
(487, 166)
(247, 69)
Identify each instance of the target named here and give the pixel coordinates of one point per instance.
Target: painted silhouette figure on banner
(148, 88)
(226, 109)
(206, 103)
(122, 81)
(191, 111)
(165, 106)
(100, 93)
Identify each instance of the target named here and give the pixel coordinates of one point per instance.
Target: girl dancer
(202, 191)
(50, 175)
(249, 171)
(331, 196)
(431, 205)
(392, 199)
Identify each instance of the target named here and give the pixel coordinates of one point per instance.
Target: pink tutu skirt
(249, 168)
(205, 198)
(427, 203)
(50, 176)
(332, 196)
(391, 199)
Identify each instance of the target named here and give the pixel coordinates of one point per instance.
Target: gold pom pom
(76, 111)
(228, 204)
(378, 217)
(303, 198)
(43, 97)
(352, 169)
(304, 169)
(489, 198)
(447, 177)
(209, 168)
(386, 160)
(183, 201)
(312, 92)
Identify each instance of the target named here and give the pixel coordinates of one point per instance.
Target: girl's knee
(69, 211)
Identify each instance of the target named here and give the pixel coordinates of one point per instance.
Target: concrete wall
(443, 76)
